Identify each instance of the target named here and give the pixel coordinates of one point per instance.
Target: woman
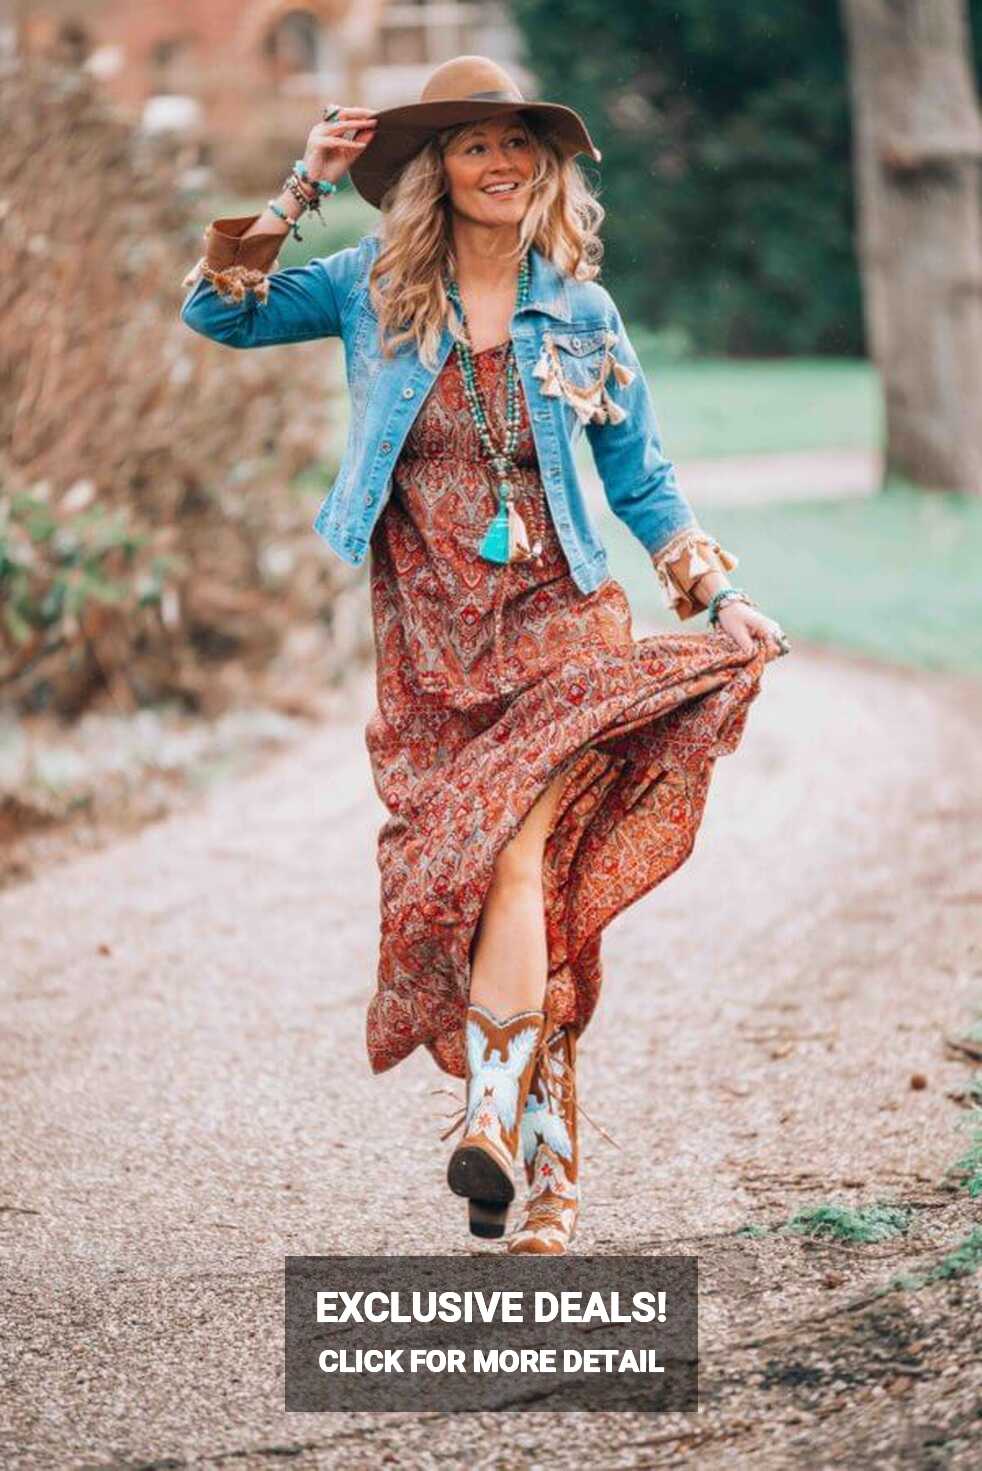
(541, 768)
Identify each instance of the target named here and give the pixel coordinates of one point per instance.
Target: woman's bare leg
(510, 958)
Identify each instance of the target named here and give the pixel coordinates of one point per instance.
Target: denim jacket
(575, 363)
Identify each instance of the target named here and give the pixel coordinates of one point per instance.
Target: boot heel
(487, 1218)
(501, 1055)
(472, 1172)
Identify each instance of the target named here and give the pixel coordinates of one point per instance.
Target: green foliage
(843, 1223)
(862, 1225)
(58, 564)
(127, 440)
(969, 1166)
(729, 126)
(963, 1261)
(967, 1169)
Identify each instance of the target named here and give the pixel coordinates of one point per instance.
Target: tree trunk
(917, 143)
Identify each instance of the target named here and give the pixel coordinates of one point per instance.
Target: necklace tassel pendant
(519, 549)
(495, 545)
(507, 538)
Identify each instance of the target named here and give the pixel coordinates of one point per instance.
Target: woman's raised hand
(328, 154)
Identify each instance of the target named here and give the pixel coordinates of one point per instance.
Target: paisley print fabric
(491, 680)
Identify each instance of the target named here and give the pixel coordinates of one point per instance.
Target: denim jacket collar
(547, 288)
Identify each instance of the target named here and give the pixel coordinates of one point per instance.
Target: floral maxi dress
(491, 679)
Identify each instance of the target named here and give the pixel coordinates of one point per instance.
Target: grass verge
(964, 1260)
(711, 407)
(892, 576)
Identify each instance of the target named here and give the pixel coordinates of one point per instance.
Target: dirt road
(185, 1101)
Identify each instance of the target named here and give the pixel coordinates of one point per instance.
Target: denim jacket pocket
(575, 366)
(580, 344)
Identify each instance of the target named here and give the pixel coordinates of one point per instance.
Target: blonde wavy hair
(562, 222)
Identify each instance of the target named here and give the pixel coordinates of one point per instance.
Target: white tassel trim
(232, 282)
(680, 563)
(591, 402)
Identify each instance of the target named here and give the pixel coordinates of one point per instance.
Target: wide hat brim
(402, 131)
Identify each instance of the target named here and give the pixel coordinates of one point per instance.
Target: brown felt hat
(460, 91)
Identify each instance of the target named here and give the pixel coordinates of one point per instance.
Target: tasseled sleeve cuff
(682, 561)
(235, 265)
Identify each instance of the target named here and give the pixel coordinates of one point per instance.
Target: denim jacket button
(408, 392)
(385, 446)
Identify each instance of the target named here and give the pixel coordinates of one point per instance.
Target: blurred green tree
(727, 162)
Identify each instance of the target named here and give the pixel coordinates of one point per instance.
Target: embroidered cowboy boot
(550, 1151)
(500, 1062)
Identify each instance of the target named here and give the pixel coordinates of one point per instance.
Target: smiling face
(488, 167)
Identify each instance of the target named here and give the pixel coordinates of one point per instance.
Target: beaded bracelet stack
(737, 595)
(727, 594)
(306, 191)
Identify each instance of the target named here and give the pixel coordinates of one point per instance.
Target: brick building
(250, 76)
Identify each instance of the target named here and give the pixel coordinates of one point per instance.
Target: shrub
(153, 541)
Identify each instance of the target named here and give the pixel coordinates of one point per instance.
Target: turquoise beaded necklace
(506, 538)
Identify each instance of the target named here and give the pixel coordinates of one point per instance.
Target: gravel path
(186, 1101)
(758, 480)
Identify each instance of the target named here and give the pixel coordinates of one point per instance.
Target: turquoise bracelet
(719, 598)
(271, 204)
(323, 186)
